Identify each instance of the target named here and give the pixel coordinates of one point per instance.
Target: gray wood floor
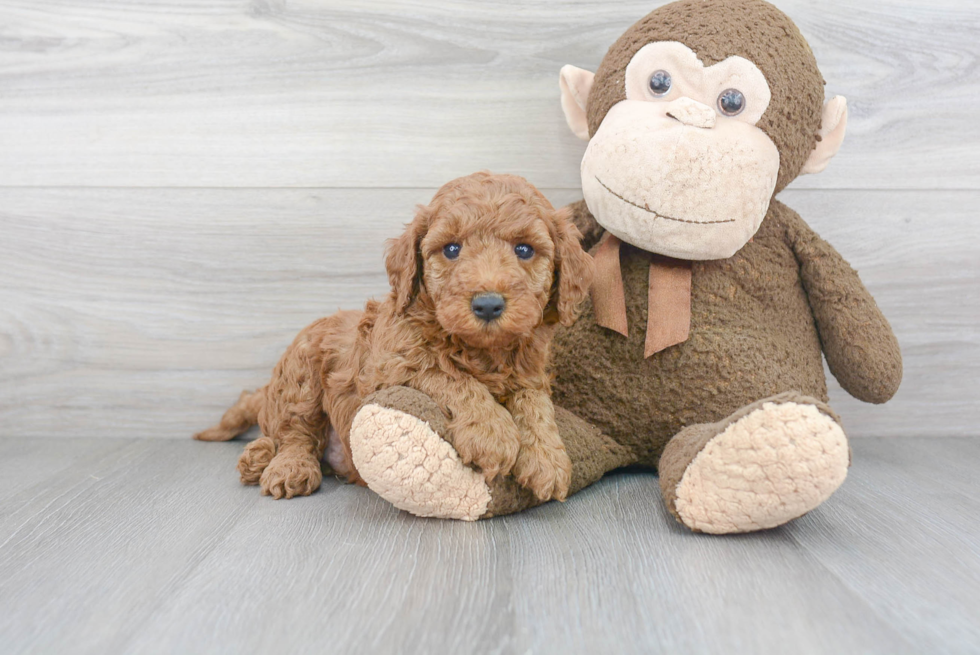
(152, 546)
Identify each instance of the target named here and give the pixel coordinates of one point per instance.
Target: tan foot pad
(405, 462)
(768, 467)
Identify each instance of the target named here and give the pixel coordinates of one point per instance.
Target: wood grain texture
(27, 463)
(410, 94)
(158, 549)
(909, 501)
(98, 549)
(144, 312)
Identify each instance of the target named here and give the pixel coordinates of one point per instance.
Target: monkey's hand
(862, 351)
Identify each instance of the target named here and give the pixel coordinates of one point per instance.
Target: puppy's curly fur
(488, 376)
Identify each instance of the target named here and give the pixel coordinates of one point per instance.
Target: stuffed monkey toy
(700, 353)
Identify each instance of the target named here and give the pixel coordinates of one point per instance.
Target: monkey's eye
(731, 102)
(660, 83)
(523, 251)
(451, 250)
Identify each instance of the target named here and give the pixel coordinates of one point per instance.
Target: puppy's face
(490, 275)
(496, 260)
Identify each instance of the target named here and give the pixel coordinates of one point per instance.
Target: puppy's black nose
(488, 306)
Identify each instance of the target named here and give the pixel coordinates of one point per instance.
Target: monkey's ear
(403, 260)
(832, 127)
(575, 85)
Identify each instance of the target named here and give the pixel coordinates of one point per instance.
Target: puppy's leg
(542, 464)
(295, 421)
(255, 459)
(480, 429)
(295, 469)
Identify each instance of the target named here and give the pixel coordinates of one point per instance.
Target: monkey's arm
(861, 349)
(586, 224)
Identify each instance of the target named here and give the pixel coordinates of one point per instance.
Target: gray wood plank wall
(185, 185)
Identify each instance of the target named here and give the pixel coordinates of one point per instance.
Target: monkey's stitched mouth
(647, 209)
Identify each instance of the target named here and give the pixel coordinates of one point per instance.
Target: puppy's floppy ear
(404, 260)
(574, 269)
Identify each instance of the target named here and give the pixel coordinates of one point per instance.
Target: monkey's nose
(488, 306)
(691, 112)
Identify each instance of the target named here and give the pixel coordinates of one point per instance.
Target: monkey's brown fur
(489, 378)
(760, 320)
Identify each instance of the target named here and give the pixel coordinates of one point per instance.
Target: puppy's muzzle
(488, 306)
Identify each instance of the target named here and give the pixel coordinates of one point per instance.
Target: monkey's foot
(767, 464)
(398, 451)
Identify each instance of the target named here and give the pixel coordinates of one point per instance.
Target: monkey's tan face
(679, 168)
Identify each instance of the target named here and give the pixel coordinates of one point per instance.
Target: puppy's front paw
(290, 475)
(545, 470)
(493, 445)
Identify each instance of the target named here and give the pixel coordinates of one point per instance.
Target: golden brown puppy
(479, 281)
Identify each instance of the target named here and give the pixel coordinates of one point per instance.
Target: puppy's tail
(239, 418)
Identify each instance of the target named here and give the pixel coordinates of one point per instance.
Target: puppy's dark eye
(451, 250)
(523, 251)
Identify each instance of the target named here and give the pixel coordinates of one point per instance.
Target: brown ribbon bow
(668, 299)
